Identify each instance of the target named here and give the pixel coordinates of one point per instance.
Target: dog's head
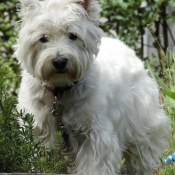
(58, 39)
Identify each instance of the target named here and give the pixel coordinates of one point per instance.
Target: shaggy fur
(111, 112)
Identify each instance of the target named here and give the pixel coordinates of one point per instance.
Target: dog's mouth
(62, 71)
(57, 91)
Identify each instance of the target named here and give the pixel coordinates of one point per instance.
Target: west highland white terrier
(92, 88)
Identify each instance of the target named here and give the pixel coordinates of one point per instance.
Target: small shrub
(20, 151)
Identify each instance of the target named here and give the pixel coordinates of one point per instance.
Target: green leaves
(169, 94)
(128, 19)
(166, 82)
(8, 17)
(20, 151)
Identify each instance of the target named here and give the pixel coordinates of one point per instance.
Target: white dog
(105, 103)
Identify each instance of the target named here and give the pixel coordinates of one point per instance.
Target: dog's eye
(44, 39)
(72, 36)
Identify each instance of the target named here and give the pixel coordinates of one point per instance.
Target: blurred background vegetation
(128, 20)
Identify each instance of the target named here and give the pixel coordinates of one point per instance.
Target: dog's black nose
(59, 62)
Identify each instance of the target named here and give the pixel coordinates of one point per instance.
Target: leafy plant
(8, 18)
(128, 20)
(20, 150)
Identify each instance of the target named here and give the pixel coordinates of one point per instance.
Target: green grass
(167, 96)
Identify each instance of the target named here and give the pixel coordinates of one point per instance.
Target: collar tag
(57, 112)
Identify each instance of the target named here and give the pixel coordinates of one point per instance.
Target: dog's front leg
(39, 104)
(99, 154)
(44, 124)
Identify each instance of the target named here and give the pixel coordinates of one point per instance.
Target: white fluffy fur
(114, 108)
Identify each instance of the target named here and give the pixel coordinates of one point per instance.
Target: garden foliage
(128, 19)
(20, 150)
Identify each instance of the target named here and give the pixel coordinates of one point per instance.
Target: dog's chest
(70, 117)
(69, 122)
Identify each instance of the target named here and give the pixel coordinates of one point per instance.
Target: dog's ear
(29, 5)
(32, 4)
(92, 7)
(84, 3)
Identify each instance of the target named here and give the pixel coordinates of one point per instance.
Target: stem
(162, 56)
(141, 29)
(164, 26)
